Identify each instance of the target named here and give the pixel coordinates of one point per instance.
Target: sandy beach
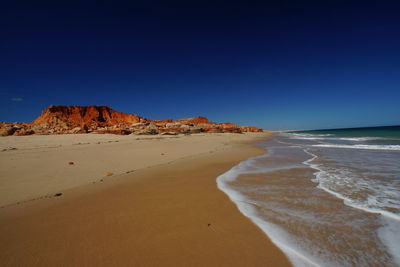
(37, 166)
(126, 201)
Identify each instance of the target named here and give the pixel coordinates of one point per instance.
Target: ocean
(325, 197)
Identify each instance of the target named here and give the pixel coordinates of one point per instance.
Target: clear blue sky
(272, 64)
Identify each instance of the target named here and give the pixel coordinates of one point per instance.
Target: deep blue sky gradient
(277, 65)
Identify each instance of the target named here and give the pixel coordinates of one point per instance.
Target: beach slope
(165, 214)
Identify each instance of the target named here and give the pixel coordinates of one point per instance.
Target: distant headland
(102, 119)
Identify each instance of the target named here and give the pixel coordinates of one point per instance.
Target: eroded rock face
(195, 120)
(84, 116)
(102, 119)
(162, 123)
(251, 129)
(7, 130)
(22, 132)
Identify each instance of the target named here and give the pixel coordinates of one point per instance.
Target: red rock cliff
(102, 119)
(195, 120)
(85, 116)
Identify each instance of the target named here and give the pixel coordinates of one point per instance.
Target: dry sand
(167, 212)
(36, 166)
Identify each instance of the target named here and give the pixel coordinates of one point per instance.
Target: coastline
(171, 214)
(309, 200)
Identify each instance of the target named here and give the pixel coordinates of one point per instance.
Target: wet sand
(171, 214)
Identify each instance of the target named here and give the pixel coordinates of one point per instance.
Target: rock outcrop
(75, 119)
(102, 119)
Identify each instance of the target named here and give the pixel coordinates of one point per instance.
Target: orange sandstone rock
(102, 119)
(195, 120)
(84, 116)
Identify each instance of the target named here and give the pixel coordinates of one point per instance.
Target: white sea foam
(389, 233)
(373, 147)
(304, 134)
(391, 221)
(278, 236)
(360, 138)
(309, 136)
(380, 200)
(350, 202)
(329, 137)
(353, 139)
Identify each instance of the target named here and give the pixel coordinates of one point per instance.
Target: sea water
(327, 197)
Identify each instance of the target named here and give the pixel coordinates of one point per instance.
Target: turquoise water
(325, 197)
(373, 135)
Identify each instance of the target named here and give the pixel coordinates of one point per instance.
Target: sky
(271, 64)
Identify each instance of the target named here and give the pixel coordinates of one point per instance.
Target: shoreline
(309, 201)
(171, 214)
